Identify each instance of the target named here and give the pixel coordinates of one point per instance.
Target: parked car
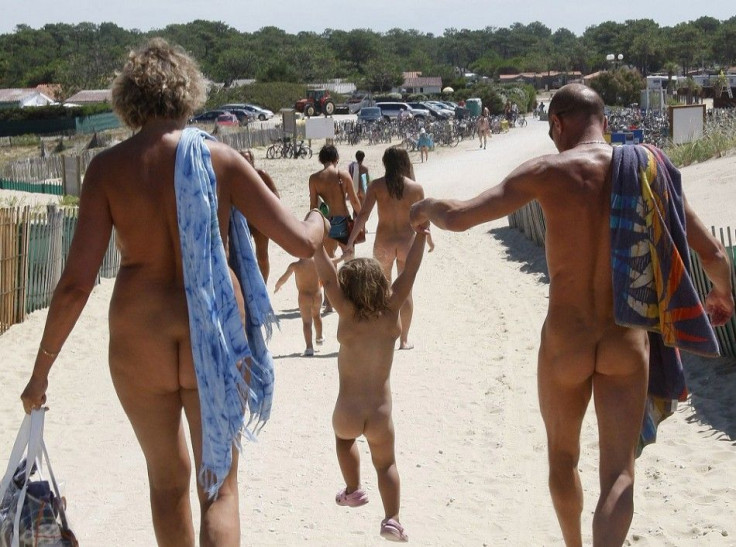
(369, 114)
(227, 118)
(390, 110)
(419, 107)
(244, 116)
(443, 106)
(209, 116)
(431, 110)
(257, 111)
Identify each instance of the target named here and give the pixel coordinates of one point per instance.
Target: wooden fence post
(72, 176)
(56, 234)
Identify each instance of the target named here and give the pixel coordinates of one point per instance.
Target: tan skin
(484, 127)
(131, 187)
(362, 170)
(260, 241)
(364, 362)
(394, 235)
(583, 353)
(310, 297)
(332, 185)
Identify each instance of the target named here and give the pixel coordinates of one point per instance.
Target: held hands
(418, 217)
(719, 307)
(34, 395)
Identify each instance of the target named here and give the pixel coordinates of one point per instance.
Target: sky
(426, 16)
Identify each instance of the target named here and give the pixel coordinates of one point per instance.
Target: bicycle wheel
(271, 152)
(521, 122)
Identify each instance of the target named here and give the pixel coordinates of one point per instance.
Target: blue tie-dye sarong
(233, 366)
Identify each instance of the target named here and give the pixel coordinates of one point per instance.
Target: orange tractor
(318, 101)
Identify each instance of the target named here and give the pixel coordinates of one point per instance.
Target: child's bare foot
(406, 345)
(320, 341)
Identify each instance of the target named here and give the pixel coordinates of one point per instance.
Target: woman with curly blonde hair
(177, 320)
(369, 324)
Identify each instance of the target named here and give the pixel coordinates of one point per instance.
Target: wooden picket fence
(530, 221)
(46, 175)
(34, 245)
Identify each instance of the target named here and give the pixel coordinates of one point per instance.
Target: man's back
(576, 200)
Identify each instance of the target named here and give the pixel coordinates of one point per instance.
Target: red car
(227, 119)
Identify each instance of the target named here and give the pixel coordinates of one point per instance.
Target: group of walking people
(190, 303)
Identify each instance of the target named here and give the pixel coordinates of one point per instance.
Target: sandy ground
(470, 443)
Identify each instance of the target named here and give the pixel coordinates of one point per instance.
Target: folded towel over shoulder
(233, 366)
(651, 283)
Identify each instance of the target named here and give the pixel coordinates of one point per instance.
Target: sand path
(470, 441)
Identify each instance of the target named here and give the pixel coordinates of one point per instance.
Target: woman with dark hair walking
(394, 193)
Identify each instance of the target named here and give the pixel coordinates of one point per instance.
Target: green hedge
(52, 112)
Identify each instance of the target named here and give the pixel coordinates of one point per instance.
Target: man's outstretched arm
(517, 189)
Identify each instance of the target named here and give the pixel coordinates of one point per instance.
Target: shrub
(271, 95)
(719, 138)
(52, 112)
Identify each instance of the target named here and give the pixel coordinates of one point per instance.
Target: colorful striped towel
(223, 358)
(652, 288)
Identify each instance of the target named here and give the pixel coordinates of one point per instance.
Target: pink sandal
(354, 499)
(392, 530)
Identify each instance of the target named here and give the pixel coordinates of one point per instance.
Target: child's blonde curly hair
(364, 285)
(159, 80)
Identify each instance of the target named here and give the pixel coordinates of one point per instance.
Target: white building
(23, 97)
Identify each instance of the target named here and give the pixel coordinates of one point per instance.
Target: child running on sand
(368, 309)
(310, 299)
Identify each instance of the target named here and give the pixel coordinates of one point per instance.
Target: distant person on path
(369, 324)
(259, 239)
(361, 176)
(424, 143)
(595, 201)
(483, 126)
(177, 315)
(394, 193)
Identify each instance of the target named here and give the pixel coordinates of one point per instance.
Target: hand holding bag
(32, 510)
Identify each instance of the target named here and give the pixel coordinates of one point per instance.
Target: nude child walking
(369, 324)
(310, 299)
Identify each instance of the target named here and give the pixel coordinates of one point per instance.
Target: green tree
(382, 74)
(620, 87)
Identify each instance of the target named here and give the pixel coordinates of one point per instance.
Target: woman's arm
(90, 242)
(269, 182)
(262, 208)
(362, 218)
(327, 272)
(405, 281)
(347, 182)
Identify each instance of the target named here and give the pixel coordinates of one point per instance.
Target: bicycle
(301, 150)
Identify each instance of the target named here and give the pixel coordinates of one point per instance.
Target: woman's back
(393, 212)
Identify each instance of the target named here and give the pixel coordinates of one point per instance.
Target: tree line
(86, 55)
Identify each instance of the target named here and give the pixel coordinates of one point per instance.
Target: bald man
(583, 351)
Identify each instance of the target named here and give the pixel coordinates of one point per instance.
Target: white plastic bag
(31, 508)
